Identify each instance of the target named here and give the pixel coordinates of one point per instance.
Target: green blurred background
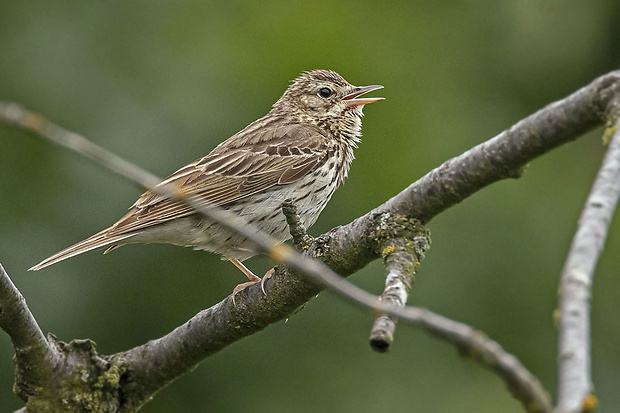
(161, 83)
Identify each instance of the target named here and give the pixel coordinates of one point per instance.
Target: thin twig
(17, 115)
(574, 375)
(472, 343)
(475, 344)
(301, 239)
(35, 358)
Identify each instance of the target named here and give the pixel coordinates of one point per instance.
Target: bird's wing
(241, 167)
(255, 160)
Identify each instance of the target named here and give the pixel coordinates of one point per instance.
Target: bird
(301, 150)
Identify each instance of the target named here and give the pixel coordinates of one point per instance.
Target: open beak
(350, 98)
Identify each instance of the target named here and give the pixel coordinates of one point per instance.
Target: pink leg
(251, 276)
(245, 270)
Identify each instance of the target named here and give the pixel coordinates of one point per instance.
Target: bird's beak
(358, 91)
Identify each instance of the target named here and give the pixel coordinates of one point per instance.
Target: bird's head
(321, 95)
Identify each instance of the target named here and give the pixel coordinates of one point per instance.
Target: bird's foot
(242, 287)
(253, 280)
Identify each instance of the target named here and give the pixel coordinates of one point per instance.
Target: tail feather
(98, 240)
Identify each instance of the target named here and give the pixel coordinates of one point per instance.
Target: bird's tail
(100, 239)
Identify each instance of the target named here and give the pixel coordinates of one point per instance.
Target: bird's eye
(325, 92)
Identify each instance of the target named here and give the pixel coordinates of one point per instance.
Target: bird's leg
(251, 276)
(245, 270)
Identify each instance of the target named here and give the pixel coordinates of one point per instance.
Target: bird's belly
(263, 211)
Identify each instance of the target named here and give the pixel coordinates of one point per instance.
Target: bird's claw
(267, 276)
(243, 286)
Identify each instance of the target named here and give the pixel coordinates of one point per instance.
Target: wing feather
(230, 173)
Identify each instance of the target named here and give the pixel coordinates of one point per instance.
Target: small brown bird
(301, 150)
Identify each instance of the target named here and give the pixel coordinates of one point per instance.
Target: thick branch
(35, 358)
(575, 379)
(502, 157)
(160, 361)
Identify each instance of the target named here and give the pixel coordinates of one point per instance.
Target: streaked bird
(301, 150)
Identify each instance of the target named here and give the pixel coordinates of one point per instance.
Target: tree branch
(35, 358)
(575, 379)
(504, 156)
(348, 248)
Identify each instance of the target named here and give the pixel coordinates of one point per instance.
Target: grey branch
(35, 358)
(574, 375)
(348, 248)
(402, 251)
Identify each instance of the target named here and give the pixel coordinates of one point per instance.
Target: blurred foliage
(162, 83)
